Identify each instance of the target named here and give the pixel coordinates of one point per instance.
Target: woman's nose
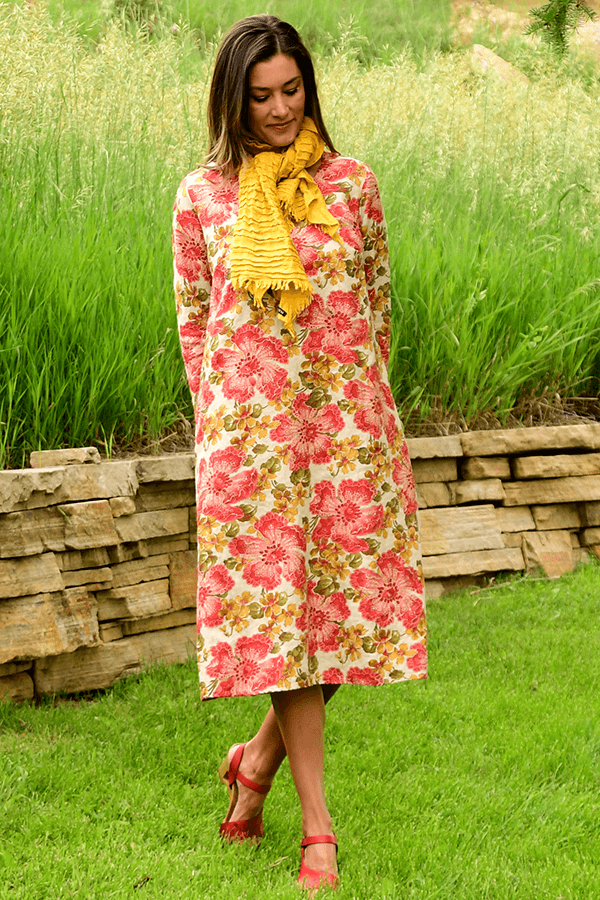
(279, 107)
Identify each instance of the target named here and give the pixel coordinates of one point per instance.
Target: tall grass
(491, 192)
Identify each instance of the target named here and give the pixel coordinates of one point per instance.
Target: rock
(456, 530)
(557, 466)
(526, 440)
(552, 490)
(590, 537)
(122, 506)
(111, 479)
(13, 668)
(159, 523)
(515, 518)
(475, 562)
(88, 525)
(28, 488)
(110, 631)
(30, 575)
(476, 491)
(434, 588)
(151, 568)
(590, 514)
(433, 494)
(156, 623)
(40, 459)
(434, 447)
(184, 579)
(134, 600)
(485, 62)
(556, 516)
(94, 579)
(126, 552)
(16, 687)
(486, 467)
(428, 470)
(175, 467)
(513, 539)
(165, 496)
(173, 544)
(550, 551)
(47, 624)
(31, 532)
(102, 666)
(193, 527)
(83, 559)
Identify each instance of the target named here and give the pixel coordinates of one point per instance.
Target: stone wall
(98, 558)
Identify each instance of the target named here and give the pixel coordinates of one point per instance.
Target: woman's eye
(259, 99)
(292, 92)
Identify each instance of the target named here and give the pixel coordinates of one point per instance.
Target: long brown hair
(252, 40)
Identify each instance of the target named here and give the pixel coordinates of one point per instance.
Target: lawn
(481, 782)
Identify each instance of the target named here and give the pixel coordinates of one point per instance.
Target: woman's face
(276, 103)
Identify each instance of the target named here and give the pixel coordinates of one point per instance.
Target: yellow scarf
(276, 191)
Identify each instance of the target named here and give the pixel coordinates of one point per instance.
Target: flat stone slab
(550, 551)
(556, 516)
(552, 490)
(47, 624)
(514, 518)
(434, 447)
(526, 440)
(428, 470)
(433, 494)
(561, 465)
(160, 523)
(157, 623)
(183, 579)
(34, 488)
(476, 491)
(29, 575)
(476, 562)
(101, 666)
(457, 530)
(478, 467)
(16, 688)
(174, 467)
(165, 495)
(134, 600)
(40, 459)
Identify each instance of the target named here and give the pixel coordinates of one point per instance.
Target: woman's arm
(192, 284)
(376, 260)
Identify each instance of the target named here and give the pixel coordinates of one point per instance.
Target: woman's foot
(249, 802)
(318, 868)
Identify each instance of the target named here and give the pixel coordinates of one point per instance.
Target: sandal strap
(235, 775)
(319, 839)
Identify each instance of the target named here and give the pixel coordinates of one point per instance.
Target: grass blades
(481, 782)
(491, 194)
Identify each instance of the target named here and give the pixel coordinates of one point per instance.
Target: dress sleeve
(192, 285)
(376, 259)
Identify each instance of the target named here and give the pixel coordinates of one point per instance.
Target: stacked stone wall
(98, 558)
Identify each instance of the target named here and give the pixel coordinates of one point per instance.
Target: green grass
(481, 782)
(491, 194)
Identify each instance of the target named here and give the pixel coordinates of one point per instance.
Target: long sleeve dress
(309, 568)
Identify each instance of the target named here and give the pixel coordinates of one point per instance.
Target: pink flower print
(307, 241)
(321, 618)
(203, 401)
(308, 431)
(402, 474)
(223, 297)
(418, 662)
(245, 669)
(390, 593)
(252, 365)
(276, 555)
(373, 206)
(211, 587)
(192, 336)
(332, 676)
(356, 675)
(346, 514)
(334, 326)
(221, 486)
(348, 217)
(189, 248)
(375, 405)
(332, 171)
(215, 198)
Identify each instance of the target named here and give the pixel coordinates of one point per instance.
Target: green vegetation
(491, 192)
(481, 782)
(555, 20)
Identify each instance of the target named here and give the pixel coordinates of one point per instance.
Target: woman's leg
(262, 757)
(301, 719)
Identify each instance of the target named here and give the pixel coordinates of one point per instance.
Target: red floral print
(189, 249)
(224, 294)
(356, 675)
(215, 198)
(333, 676)
(192, 336)
(373, 207)
(334, 325)
(221, 485)
(307, 241)
(374, 403)
(418, 662)
(212, 586)
(402, 474)
(308, 431)
(321, 618)
(276, 556)
(246, 669)
(390, 593)
(252, 365)
(345, 514)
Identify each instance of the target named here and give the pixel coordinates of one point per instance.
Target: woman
(309, 568)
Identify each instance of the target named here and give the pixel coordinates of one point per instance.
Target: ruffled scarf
(276, 192)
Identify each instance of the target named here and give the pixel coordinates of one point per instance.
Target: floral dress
(309, 569)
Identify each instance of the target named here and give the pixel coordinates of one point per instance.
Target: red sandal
(244, 829)
(313, 879)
